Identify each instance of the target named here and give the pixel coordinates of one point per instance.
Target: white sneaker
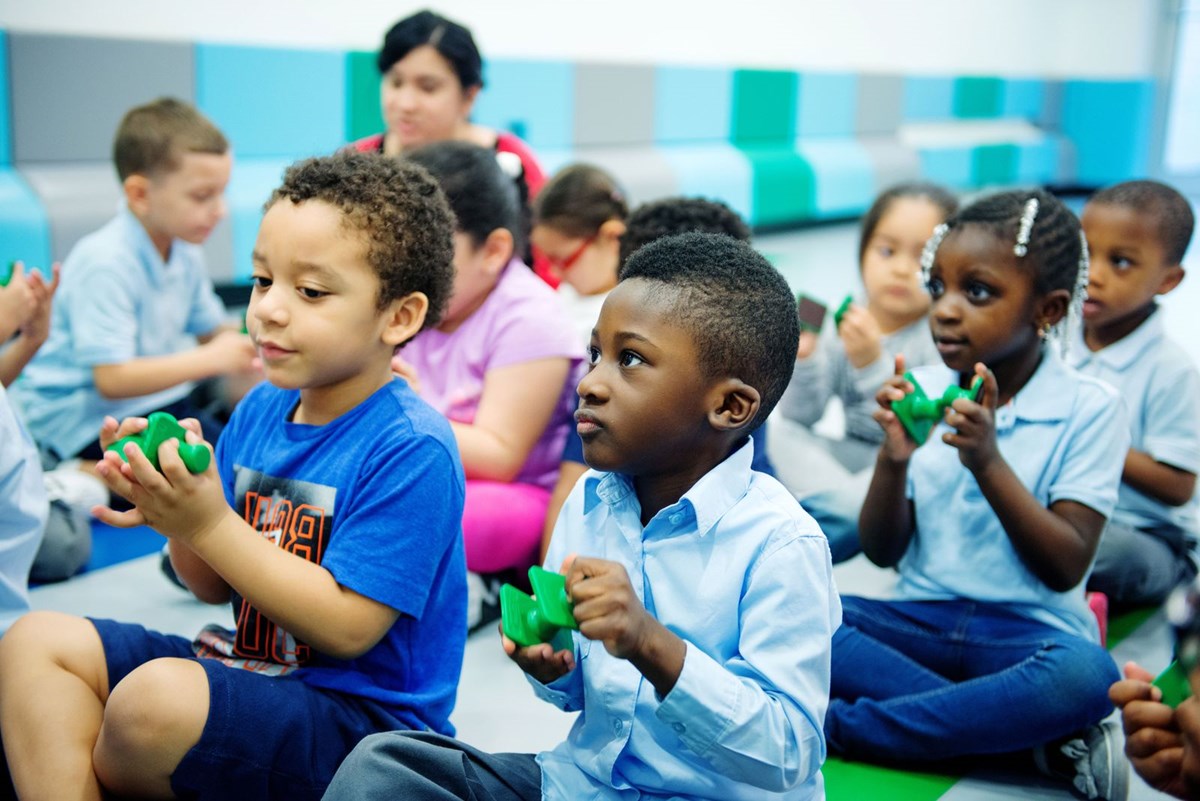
(72, 486)
(1093, 761)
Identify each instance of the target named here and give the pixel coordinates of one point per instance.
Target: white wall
(1100, 38)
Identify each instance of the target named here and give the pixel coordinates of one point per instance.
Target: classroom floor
(497, 711)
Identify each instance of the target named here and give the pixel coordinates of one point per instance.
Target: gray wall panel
(614, 105)
(880, 103)
(69, 93)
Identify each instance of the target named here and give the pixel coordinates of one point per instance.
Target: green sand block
(528, 621)
(919, 413)
(162, 427)
(1174, 684)
(847, 302)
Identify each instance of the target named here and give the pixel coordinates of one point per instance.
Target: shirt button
(618, 727)
(677, 518)
(679, 727)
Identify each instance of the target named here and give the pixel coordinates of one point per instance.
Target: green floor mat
(856, 781)
(1122, 625)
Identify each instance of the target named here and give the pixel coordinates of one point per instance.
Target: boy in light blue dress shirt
(1137, 233)
(704, 593)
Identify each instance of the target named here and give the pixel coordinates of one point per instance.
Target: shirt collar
(1125, 351)
(703, 505)
(151, 260)
(1046, 396)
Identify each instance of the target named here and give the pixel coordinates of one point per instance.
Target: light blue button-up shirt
(1161, 388)
(118, 301)
(23, 511)
(1065, 436)
(742, 574)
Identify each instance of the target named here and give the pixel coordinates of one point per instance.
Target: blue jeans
(933, 680)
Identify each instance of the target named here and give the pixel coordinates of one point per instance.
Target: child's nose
(591, 388)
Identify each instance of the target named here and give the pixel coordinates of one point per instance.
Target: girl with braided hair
(989, 646)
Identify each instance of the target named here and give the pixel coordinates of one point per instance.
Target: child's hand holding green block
(531, 620)
(160, 428)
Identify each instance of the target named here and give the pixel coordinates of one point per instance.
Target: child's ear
(404, 318)
(497, 250)
(735, 404)
(612, 229)
(1172, 277)
(1052, 307)
(137, 188)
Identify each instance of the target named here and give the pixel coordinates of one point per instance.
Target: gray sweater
(828, 372)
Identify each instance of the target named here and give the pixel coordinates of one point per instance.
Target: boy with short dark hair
(135, 294)
(703, 592)
(332, 522)
(1137, 234)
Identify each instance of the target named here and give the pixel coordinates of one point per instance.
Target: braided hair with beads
(1046, 237)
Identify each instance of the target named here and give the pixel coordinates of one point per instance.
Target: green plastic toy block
(847, 302)
(919, 413)
(531, 620)
(162, 427)
(1174, 684)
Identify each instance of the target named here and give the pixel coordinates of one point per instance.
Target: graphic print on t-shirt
(298, 517)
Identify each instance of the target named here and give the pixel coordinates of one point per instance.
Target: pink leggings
(502, 524)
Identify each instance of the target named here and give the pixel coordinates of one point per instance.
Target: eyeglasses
(565, 264)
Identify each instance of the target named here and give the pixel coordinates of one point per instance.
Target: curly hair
(738, 308)
(398, 209)
(1168, 210)
(678, 215)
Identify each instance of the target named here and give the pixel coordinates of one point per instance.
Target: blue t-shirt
(23, 511)
(1065, 436)
(376, 498)
(1161, 388)
(118, 301)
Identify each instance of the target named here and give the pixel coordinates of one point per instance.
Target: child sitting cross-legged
(992, 523)
(703, 592)
(330, 519)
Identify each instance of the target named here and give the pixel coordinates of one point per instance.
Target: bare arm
(225, 353)
(298, 595)
(1160, 481)
(517, 404)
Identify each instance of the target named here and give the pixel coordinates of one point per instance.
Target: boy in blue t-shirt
(332, 521)
(703, 592)
(1137, 234)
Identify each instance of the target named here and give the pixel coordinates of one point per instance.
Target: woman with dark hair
(431, 74)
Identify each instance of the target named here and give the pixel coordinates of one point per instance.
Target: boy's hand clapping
(175, 502)
(974, 424)
(898, 446)
(36, 327)
(17, 303)
(232, 351)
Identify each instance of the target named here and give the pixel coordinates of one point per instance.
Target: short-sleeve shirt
(23, 511)
(1161, 388)
(1065, 436)
(521, 321)
(118, 301)
(376, 498)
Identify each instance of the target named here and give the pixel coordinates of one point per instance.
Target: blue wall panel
(844, 174)
(24, 227)
(827, 104)
(692, 104)
(274, 102)
(533, 99)
(249, 187)
(928, 99)
(5, 107)
(1023, 97)
(1110, 123)
(718, 171)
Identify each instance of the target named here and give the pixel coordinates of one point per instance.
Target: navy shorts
(266, 736)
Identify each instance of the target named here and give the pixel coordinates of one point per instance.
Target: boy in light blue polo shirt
(704, 593)
(135, 295)
(1138, 232)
